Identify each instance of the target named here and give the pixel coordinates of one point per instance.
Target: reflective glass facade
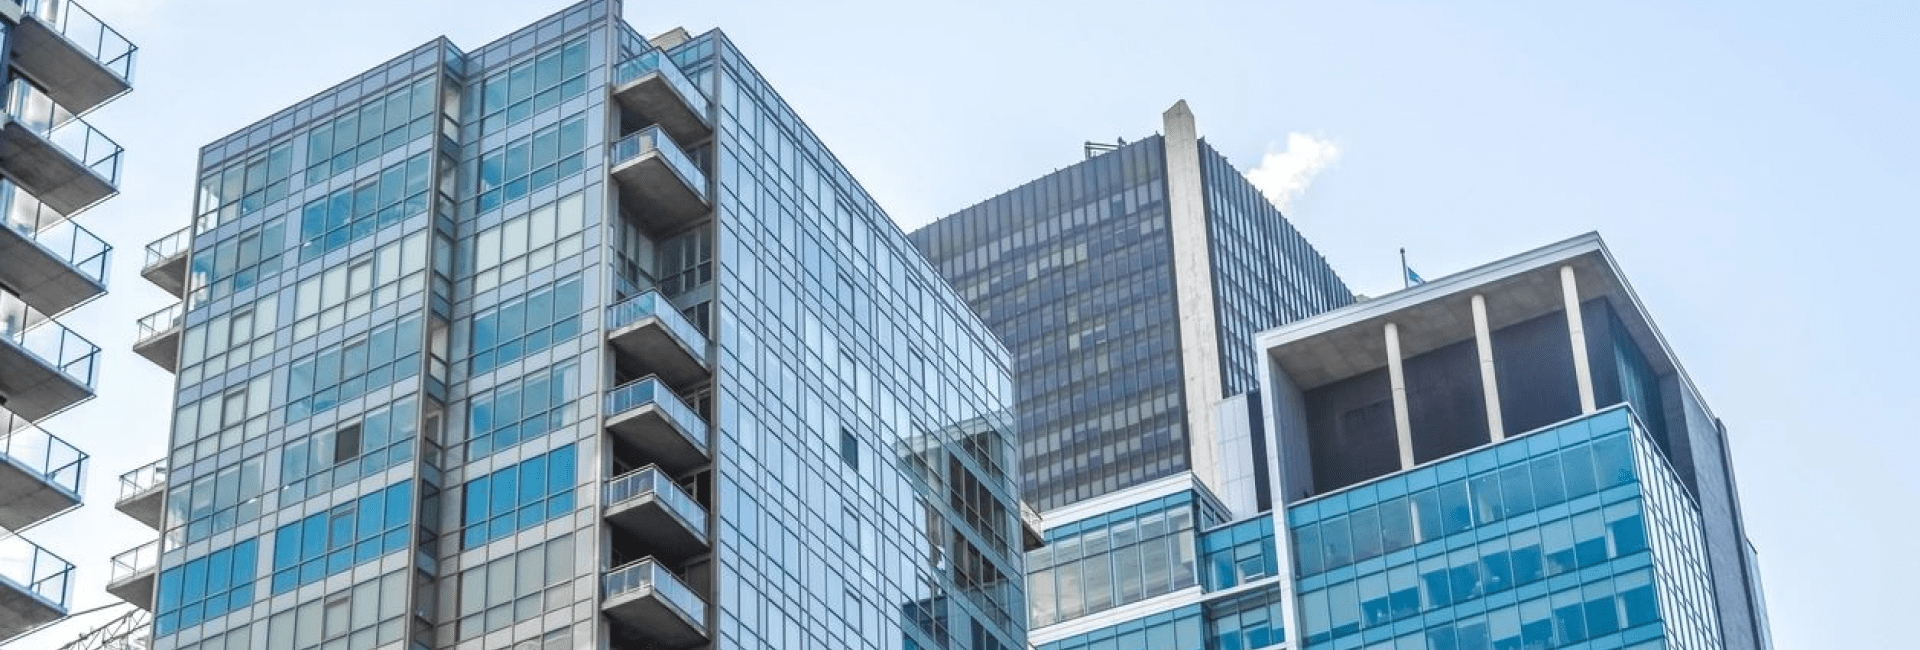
(1577, 535)
(439, 317)
(1075, 272)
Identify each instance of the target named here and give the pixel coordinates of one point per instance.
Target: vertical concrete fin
(1193, 285)
(1402, 422)
(1577, 330)
(1489, 385)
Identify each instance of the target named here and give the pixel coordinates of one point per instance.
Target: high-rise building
(58, 62)
(578, 339)
(1128, 288)
(1507, 457)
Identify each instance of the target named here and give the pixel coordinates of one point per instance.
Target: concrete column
(1402, 425)
(1577, 330)
(1489, 386)
(1193, 292)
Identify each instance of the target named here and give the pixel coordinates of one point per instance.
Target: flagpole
(1406, 281)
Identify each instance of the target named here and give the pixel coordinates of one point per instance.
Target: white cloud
(1283, 175)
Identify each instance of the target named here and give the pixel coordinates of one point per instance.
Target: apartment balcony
(35, 586)
(158, 338)
(644, 414)
(1032, 529)
(44, 368)
(133, 574)
(660, 187)
(48, 261)
(652, 87)
(651, 507)
(652, 607)
(166, 263)
(40, 474)
(649, 336)
(54, 155)
(64, 48)
(143, 493)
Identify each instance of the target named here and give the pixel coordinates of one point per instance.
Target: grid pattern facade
(1265, 273)
(1577, 535)
(399, 383)
(1074, 272)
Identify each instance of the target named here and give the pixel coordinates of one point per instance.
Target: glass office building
(1507, 458)
(578, 339)
(1128, 288)
(58, 63)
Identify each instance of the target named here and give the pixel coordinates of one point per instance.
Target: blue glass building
(1509, 457)
(577, 339)
(58, 63)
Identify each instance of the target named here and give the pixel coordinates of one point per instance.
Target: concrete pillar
(1577, 330)
(1193, 292)
(1402, 425)
(1489, 386)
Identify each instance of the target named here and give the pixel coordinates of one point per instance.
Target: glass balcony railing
(657, 61)
(27, 566)
(168, 247)
(652, 304)
(67, 241)
(113, 51)
(640, 392)
(56, 346)
(135, 561)
(646, 574)
(42, 453)
(652, 139)
(23, 211)
(650, 480)
(37, 112)
(143, 480)
(160, 322)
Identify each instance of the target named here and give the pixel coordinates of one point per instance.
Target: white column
(1193, 292)
(1577, 330)
(1483, 338)
(1402, 426)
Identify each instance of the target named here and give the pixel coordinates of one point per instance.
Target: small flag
(1414, 278)
(1407, 275)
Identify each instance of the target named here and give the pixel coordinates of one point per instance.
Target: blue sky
(1752, 165)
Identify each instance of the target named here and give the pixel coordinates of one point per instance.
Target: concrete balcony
(651, 507)
(40, 474)
(66, 49)
(143, 493)
(644, 414)
(48, 261)
(660, 187)
(650, 337)
(166, 263)
(44, 367)
(133, 575)
(1032, 529)
(651, 87)
(54, 155)
(35, 587)
(158, 338)
(650, 606)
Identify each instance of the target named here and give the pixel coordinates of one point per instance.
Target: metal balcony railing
(56, 346)
(168, 247)
(135, 561)
(86, 31)
(38, 113)
(644, 574)
(42, 453)
(650, 480)
(27, 566)
(160, 322)
(143, 480)
(652, 304)
(654, 140)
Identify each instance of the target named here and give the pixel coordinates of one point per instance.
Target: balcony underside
(641, 616)
(162, 349)
(22, 610)
(655, 100)
(39, 278)
(655, 196)
(648, 428)
(648, 519)
(72, 77)
(647, 347)
(137, 589)
(32, 389)
(169, 274)
(47, 172)
(144, 507)
(27, 498)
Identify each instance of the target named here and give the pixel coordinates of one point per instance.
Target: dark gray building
(1128, 288)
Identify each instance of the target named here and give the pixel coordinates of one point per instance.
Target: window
(333, 221)
(314, 464)
(517, 587)
(205, 588)
(532, 162)
(529, 242)
(377, 126)
(521, 409)
(535, 84)
(512, 499)
(525, 325)
(346, 444)
(850, 449)
(327, 543)
(321, 381)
